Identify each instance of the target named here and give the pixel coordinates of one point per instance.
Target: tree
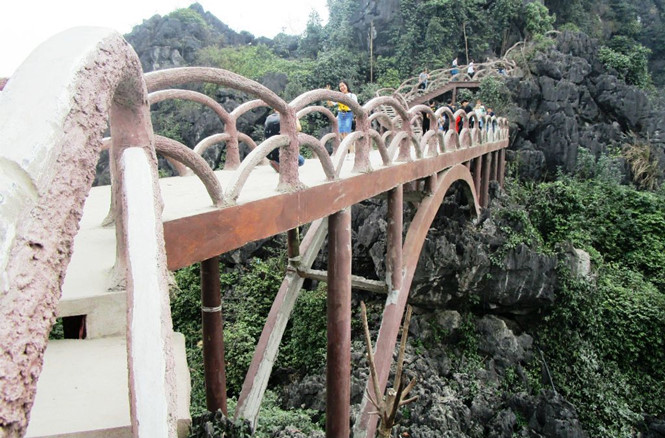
(537, 19)
(629, 58)
(312, 39)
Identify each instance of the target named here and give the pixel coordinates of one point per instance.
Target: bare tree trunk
(466, 42)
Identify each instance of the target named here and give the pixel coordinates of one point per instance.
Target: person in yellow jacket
(344, 114)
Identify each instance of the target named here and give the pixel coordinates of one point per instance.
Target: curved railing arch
(288, 180)
(99, 75)
(410, 90)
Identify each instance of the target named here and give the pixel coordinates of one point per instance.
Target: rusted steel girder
(338, 369)
(213, 336)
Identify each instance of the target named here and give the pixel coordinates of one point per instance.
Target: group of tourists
(345, 115)
(443, 124)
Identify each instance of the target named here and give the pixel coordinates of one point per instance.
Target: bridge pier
(338, 370)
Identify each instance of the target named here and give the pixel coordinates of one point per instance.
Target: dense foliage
(248, 293)
(605, 338)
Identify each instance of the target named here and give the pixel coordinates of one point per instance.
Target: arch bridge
(62, 254)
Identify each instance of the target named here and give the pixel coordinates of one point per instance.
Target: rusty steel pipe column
(293, 248)
(495, 167)
(338, 369)
(213, 336)
(293, 242)
(502, 166)
(394, 239)
(477, 173)
(430, 186)
(485, 180)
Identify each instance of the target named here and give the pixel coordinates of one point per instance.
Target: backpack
(271, 128)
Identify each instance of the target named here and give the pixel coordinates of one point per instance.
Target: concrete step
(85, 290)
(83, 389)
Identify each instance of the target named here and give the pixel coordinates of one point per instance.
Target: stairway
(83, 387)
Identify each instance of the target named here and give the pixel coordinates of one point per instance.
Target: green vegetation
(494, 94)
(249, 293)
(252, 62)
(629, 58)
(537, 19)
(604, 340)
(189, 16)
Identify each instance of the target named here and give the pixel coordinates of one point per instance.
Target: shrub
(644, 164)
(629, 58)
(189, 16)
(604, 347)
(305, 343)
(604, 338)
(494, 93)
(537, 18)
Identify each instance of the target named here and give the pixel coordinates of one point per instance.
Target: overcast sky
(24, 24)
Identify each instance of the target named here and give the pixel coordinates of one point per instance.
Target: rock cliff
(566, 100)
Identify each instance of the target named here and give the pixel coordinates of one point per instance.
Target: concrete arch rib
(92, 72)
(365, 424)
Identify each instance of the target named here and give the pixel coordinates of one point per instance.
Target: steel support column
(430, 185)
(485, 180)
(502, 166)
(477, 173)
(293, 246)
(495, 168)
(394, 239)
(338, 370)
(213, 336)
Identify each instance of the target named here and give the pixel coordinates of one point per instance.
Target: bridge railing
(395, 140)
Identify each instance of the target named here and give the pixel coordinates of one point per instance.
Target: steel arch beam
(365, 424)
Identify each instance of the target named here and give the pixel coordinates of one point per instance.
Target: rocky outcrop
(460, 396)
(568, 100)
(173, 40)
(463, 262)
(385, 15)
